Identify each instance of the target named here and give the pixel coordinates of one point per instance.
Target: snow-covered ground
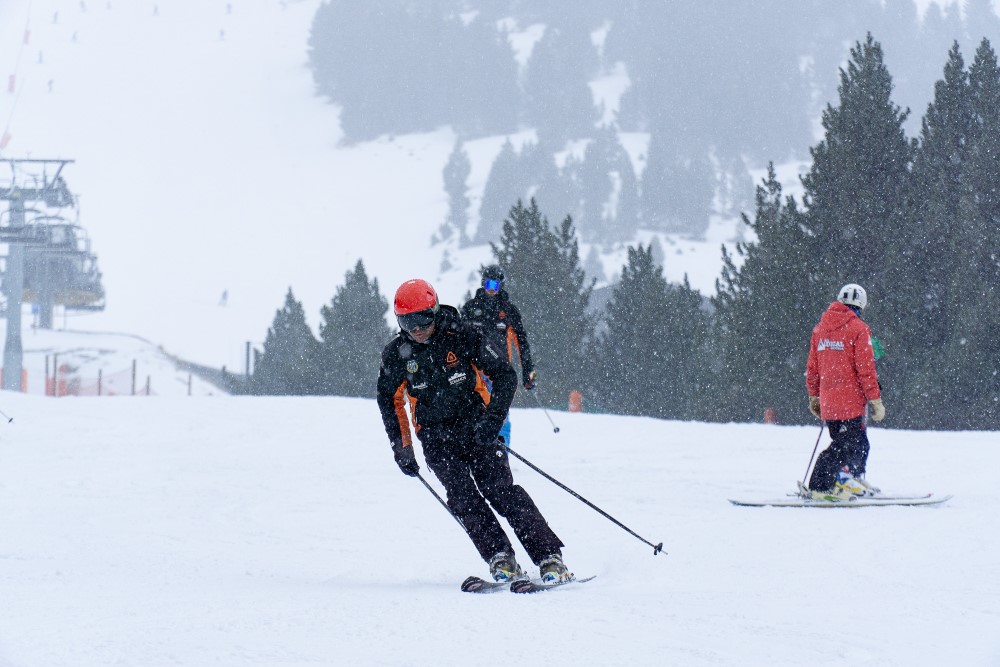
(205, 164)
(224, 530)
(278, 531)
(84, 363)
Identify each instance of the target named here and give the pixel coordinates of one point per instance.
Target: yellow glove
(878, 410)
(814, 406)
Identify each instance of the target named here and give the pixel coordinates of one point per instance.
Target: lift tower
(25, 185)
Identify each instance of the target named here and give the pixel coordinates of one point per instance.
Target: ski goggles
(418, 320)
(491, 285)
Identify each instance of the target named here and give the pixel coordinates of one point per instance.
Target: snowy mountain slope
(278, 531)
(205, 164)
(100, 363)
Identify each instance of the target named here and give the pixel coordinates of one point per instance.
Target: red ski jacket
(841, 365)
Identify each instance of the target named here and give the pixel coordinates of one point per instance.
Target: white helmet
(853, 295)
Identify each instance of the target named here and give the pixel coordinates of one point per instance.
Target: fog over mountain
(215, 155)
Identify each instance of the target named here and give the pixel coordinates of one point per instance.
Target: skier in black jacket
(435, 366)
(491, 311)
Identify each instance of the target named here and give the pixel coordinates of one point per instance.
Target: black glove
(406, 459)
(485, 434)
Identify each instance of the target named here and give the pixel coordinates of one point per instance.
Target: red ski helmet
(414, 296)
(415, 305)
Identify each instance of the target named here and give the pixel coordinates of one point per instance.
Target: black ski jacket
(441, 379)
(499, 319)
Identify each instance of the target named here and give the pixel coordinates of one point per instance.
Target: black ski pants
(472, 475)
(849, 449)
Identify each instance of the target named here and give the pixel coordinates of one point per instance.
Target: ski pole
(443, 503)
(9, 418)
(657, 548)
(815, 447)
(555, 429)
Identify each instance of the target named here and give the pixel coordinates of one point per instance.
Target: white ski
(855, 501)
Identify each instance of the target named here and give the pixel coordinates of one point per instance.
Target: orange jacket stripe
(512, 344)
(399, 401)
(481, 389)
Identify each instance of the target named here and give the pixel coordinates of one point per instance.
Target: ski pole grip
(658, 548)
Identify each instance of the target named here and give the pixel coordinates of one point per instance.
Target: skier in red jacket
(841, 379)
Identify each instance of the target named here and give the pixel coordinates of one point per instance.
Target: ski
(527, 586)
(855, 501)
(883, 496)
(476, 584)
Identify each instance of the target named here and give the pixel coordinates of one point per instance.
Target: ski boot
(554, 571)
(869, 488)
(848, 485)
(503, 567)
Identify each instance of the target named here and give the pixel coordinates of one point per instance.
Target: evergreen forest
(712, 87)
(915, 220)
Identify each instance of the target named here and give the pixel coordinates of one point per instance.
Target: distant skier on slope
(433, 365)
(492, 311)
(842, 382)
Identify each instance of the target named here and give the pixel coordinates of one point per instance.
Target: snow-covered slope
(278, 531)
(205, 164)
(63, 362)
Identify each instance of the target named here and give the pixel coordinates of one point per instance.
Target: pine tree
(856, 196)
(765, 309)
(856, 186)
(395, 67)
(559, 101)
(924, 295)
(456, 176)
(505, 183)
(560, 190)
(609, 210)
(479, 73)
(972, 383)
(546, 281)
(984, 180)
(677, 188)
(651, 356)
(353, 332)
(289, 363)
(981, 22)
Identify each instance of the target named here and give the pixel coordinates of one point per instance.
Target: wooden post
(189, 384)
(48, 390)
(100, 380)
(147, 386)
(133, 376)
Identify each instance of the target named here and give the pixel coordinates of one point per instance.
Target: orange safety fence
(67, 382)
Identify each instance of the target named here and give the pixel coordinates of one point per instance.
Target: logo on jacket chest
(827, 344)
(412, 366)
(450, 360)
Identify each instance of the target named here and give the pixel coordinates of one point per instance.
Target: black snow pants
(472, 475)
(849, 449)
